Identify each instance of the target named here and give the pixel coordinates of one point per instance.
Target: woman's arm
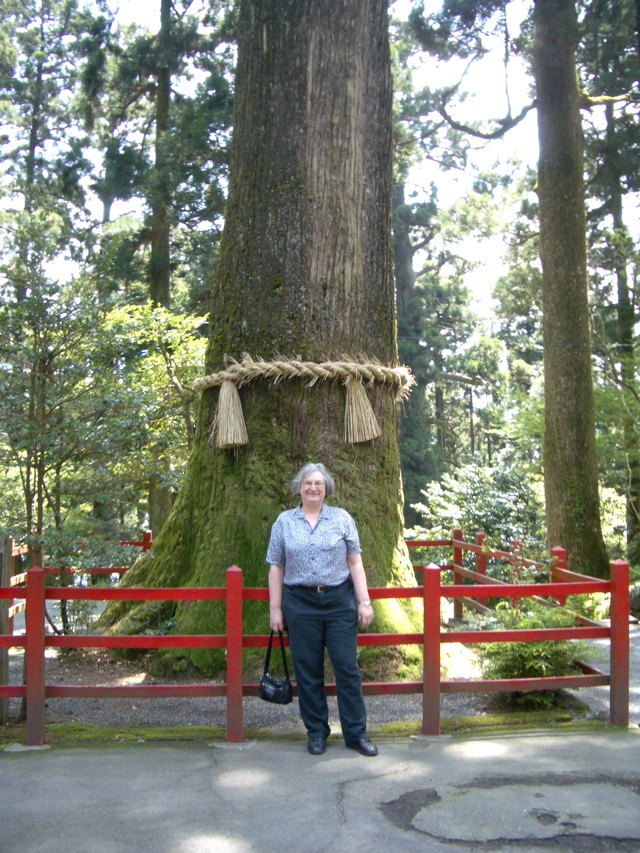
(276, 580)
(359, 578)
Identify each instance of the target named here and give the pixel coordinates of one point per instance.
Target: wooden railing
(563, 583)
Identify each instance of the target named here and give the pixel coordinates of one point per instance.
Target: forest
(117, 292)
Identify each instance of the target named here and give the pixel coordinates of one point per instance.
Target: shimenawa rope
(228, 428)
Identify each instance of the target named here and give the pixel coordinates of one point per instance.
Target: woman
(318, 591)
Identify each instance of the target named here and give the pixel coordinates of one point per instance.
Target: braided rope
(241, 372)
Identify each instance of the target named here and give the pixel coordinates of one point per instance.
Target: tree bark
(160, 197)
(305, 269)
(160, 497)
(625, 331)
(570, 469)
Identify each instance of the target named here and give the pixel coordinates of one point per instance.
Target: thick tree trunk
(571, 478)
(305, 269)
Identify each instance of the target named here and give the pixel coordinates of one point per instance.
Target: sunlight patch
(243, 779)
(215, 844)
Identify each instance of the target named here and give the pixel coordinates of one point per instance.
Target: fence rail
(563, 583)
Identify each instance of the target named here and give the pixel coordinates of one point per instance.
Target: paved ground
(532, 793)
(597, 698)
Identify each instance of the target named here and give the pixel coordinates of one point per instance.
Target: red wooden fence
(431, 590)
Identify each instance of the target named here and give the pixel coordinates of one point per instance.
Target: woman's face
(312, 488)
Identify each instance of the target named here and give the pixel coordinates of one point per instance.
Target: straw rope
(241, 372)
(228, 427)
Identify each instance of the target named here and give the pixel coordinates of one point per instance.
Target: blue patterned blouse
(313, 556)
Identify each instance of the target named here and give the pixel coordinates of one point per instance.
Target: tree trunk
(570, 469)
(625, 333)
(160, 502)
(160, 197)
(414, 431)
(160, 498)
(305, 269)
(6, 555)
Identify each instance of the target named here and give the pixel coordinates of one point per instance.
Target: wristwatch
(365, 601)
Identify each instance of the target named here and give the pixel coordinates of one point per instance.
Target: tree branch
(460, 377)
(587, 101)
(506, 123)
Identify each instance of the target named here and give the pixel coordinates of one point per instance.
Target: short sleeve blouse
(316, 555)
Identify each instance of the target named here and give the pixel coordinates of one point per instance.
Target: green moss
(487, 724)
(70, 734)
(78, 734)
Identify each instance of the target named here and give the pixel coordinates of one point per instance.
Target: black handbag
(278, 691)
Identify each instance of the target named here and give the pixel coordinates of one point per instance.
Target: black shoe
(317, 744)
(364, 746)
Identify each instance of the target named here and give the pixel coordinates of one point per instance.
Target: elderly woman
(318, 592)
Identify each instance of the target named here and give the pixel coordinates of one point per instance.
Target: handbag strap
(268, 657)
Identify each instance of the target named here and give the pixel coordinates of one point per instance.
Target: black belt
(320, 587)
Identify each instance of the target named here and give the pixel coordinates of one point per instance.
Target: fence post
(147, 540)
(431, 652)
(6, 555)
(456, 535)
(234, 655)
(559, 560)
(34, 656)
(619, 650)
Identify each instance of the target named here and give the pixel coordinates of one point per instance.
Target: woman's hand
(365, 615)
(276, 618)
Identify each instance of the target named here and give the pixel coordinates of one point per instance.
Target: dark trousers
(316, 620)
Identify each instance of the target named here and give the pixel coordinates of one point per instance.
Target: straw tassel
(360, 423)
(228, 426)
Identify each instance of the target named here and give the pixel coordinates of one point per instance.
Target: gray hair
(329, 485)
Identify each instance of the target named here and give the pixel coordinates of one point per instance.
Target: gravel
(97, 667)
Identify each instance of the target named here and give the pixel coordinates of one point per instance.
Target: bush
(596, 605)
(531, 659)
(498, 501)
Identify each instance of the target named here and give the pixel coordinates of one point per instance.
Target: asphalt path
(597, 698)
(535, 792)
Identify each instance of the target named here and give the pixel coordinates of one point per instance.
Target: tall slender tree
(571, 481)
(570, 464)
(609, 60)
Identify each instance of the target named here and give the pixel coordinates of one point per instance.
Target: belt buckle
(321, 587)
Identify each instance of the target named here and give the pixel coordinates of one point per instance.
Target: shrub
(594, 606)
(497, 500)
(531, 659)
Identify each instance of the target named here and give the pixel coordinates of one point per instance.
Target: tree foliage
(96, 389)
